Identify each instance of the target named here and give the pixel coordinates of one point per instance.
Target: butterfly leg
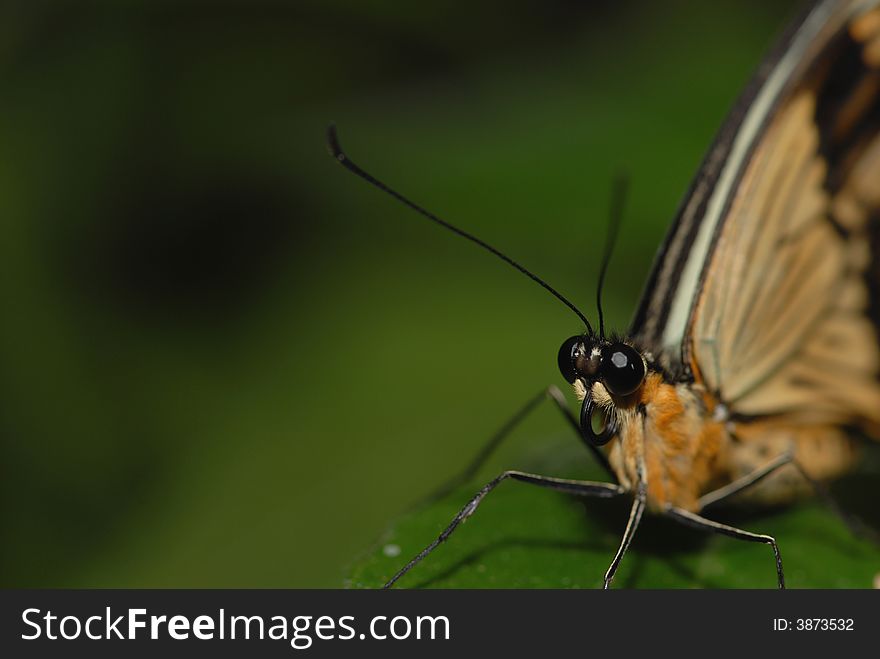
(696, 521)
(635, 516)
(581, 488)
(554, 394)
(855, 525)
(747, 481)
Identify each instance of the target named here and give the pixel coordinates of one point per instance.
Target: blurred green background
(226, 361)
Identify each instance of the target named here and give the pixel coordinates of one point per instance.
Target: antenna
(340, 155)
(618, 198)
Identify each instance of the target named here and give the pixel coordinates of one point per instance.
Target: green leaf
(527, 537)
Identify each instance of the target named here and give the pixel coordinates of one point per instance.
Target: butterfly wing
(766, 292)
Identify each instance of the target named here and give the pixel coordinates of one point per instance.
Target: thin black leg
(693, 520)
(635, 516)
(554, 394)
(581, 488)
(855, 525)
(747, 481)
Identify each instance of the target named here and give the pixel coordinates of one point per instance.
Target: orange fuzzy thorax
(684, 452)
(676, 441)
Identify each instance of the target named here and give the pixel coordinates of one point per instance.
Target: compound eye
(571, 352)
(576, 360)
(622, 370)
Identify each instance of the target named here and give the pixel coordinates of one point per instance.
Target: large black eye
(622, 370)
(575, 361)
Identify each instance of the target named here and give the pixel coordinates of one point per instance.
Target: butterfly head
(585, 360)
(607, 373)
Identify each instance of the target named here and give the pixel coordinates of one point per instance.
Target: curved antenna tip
(333, 145)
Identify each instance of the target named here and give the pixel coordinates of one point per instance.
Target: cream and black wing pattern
(767, 290)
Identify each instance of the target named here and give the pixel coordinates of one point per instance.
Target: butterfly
(752, 364)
